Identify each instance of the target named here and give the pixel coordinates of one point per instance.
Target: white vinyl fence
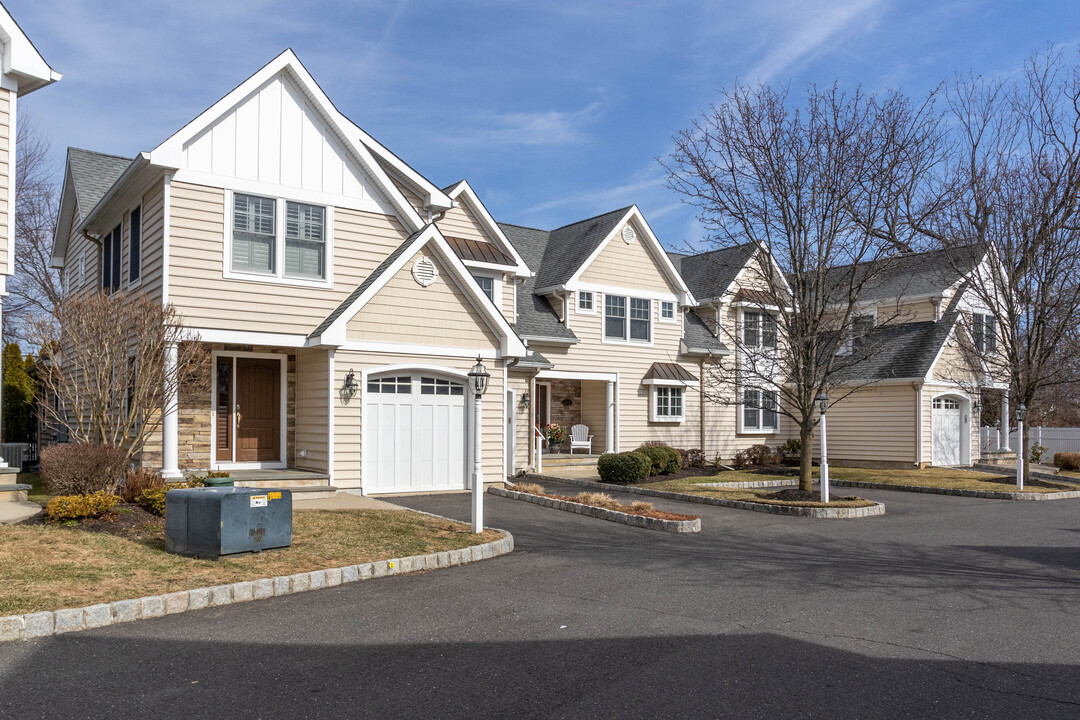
(1055, 440)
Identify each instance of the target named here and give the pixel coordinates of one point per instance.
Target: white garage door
(946, 431)
(414, 431)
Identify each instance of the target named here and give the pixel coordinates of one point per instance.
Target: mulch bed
(796, 495)
(1011, 482)
(126, 520)
(657, 514)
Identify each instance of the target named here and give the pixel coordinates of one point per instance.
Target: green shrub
(75, 507)
(153, 500)
(756, 456)
(622, 468)
(1067, 460)
(1037, 452)
(674, 461)
(791, 448)
(81, 469)
(658, 457)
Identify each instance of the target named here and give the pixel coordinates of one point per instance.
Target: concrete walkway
(17, 511)
(343, 501)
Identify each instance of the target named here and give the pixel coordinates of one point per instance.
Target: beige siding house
(22, 71)
(344, 298)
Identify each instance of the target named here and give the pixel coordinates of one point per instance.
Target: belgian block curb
(752, 484)
(822, 513)
(672, 526)
(41, 624)
(991, 494)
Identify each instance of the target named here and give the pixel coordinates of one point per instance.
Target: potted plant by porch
(555, 435)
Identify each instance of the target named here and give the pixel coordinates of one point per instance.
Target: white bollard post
(1020, 455)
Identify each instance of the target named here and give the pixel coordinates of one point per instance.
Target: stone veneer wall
(561, 414)
(194, 418)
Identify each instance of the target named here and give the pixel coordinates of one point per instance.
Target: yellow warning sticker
(275, 496)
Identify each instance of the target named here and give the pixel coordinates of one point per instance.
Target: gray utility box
(210, 522)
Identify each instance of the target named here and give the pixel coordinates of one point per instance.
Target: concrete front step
(560, 461)
(998, 458)
(291, 484)
(15, 492)
(305, 491)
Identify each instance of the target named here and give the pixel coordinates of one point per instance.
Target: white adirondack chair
(580, 438)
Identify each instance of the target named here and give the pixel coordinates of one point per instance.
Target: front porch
(568, 399)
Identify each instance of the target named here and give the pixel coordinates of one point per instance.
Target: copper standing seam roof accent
(479, 251)
(669, 371)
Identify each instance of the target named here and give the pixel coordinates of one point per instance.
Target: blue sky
(554, 111)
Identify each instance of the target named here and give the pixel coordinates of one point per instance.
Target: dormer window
(861, 326)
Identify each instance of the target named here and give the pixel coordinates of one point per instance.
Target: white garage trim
(963, 456)
(368, 480)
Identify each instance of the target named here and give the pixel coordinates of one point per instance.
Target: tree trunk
(806, 456)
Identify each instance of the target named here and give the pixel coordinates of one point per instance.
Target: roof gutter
(139, 164)
(550, 340)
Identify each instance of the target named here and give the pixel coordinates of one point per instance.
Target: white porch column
(170, 455)
(609, 427)
(1005, 421)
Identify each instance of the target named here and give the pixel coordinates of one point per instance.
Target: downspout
(918, 387)
(532, 428)
(701, 402)
(936, 302)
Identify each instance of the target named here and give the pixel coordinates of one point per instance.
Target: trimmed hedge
(623, 468)
(76, 507)
(665, 460)
(1067, 460)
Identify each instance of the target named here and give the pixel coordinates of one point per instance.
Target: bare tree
(810, 187)
(34, 289)
(105, 362)
(1013, 187)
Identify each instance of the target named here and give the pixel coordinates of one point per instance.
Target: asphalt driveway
(945, 607)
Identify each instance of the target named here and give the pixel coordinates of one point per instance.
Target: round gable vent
(628, 234)
(424, 271)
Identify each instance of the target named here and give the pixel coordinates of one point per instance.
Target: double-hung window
(305, 240)
(759, 330)
(135, 256)
(279, 238)
(254, 234)
(760, 410)
(668, 403)
(110, 259)
(984, 332)
(616, 327)
(615, 317)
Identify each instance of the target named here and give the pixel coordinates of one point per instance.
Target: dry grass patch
(692, 486)
(46, 567)
(605, 501)
(945, 478)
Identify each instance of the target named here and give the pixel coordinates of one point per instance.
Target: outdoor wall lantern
(525, 399)
(478, 379)
(349, 388)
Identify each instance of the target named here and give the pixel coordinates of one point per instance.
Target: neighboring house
(344, 297)
(22, 71)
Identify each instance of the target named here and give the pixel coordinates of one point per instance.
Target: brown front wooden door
(258, 410)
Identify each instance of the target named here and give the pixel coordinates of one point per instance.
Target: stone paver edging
(53, 622)
(673, 526)
(991, 494)
(822, 513)
(752, 484)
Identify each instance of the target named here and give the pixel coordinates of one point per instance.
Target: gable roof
(710, 274)
(22, 61)
(88, 175)
(568, 247)
(331, 331)
(462, 192)
(914, 275)
(170, 152)
(535, 317)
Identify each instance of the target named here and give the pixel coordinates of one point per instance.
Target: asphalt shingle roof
(535, 316)
(93, 173)
(709, 274)
(567, 248)
(914, 275)
(698, 337)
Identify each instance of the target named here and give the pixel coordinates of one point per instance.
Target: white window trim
(625, 340)
(660, 311)
(496, 286)
(741, 428)
(849, 340)
(761, 335)
(278, 277)
(215, 464)
(142, 246)
(577, 302)
(654, 396)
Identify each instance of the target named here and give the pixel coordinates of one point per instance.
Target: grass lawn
(1070, 473)
(691, 486)
(927, 477)
(47, 567)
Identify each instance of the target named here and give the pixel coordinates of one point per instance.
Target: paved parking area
(945, 607)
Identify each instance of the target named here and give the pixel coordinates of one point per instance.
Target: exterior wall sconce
(523, 403)
(349, 388)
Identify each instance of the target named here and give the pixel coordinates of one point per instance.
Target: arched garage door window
(414, 432)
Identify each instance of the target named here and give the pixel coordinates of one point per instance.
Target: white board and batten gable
(278, 135)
